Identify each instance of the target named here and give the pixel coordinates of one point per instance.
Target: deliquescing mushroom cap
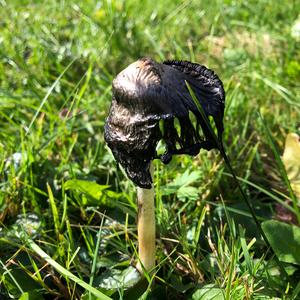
(147, 92)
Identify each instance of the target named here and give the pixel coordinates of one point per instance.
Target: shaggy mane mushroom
(145, 93)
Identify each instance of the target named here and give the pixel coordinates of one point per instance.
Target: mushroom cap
(145, 93)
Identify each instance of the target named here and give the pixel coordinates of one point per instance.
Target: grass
(57, 61)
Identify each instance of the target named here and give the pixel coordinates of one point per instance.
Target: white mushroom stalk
(146, 228)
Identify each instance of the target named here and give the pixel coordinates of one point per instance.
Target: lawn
(68, 211)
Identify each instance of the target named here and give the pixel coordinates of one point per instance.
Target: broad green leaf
(90, 188)
(181, 185)
(291, 160)
(115, 279)
(209, 292)
(94, 193)
(187, 178)
(188, 192)
(26, 225)
(31, 295)
(106, 262)
(284, 239)
(87, 296)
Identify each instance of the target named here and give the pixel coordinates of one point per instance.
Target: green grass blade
(34, 247)
(231, 272)
(94, 264)
(11, 276)
(64, 214)
(69, 261)
(279, 89)
(296, 292)
(266, 192)
(48, 94)
(246, 254)
(281, 167)
(199, 226)
(228, 164)
(54, 210)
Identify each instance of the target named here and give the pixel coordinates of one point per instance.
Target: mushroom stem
(146, 228)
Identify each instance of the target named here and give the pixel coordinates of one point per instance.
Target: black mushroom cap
(147, 92)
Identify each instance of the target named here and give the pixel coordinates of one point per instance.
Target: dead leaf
(291, 160)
